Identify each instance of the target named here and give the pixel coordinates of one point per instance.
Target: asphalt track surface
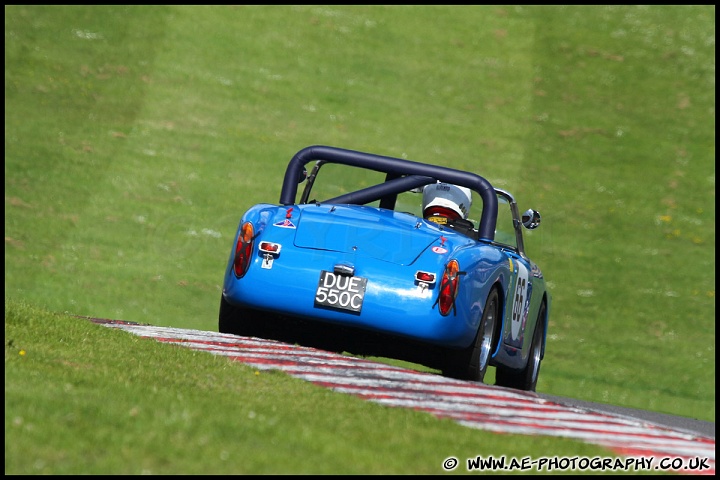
(629, 433)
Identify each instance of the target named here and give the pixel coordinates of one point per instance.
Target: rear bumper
(407, 311)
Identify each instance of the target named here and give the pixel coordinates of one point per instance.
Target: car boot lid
(366, 231)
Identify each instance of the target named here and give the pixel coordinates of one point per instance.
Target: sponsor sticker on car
(343, 292)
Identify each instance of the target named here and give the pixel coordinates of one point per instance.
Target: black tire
(247, 322)
(235, 320)
(526, 379)
(471, 363)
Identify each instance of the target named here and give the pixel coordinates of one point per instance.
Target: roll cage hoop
(401, 176)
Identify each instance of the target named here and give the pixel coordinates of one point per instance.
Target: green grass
(85, 399)
(135, 137)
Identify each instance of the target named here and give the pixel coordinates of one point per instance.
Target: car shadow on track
(340, 339)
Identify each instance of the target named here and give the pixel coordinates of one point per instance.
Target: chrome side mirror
(531, 219)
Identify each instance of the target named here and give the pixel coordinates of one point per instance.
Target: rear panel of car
(385, 250)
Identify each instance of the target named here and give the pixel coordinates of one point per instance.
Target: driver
(445, 202)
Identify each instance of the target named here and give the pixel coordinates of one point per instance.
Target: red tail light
(243, 249)
(449, 287)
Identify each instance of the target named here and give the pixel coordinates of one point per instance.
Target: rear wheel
(235, 320)
(525, 379)
(247, 322)
(471, 363)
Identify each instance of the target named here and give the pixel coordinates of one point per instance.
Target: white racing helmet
(454, 197)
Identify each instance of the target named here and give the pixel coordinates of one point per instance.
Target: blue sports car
(378, 255)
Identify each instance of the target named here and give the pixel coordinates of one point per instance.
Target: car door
(508, 236)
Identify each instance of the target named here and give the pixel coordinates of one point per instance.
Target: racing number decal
(521, 292)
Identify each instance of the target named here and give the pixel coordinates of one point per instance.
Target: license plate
(340, 291)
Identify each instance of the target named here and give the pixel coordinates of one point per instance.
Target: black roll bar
(422, 174)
